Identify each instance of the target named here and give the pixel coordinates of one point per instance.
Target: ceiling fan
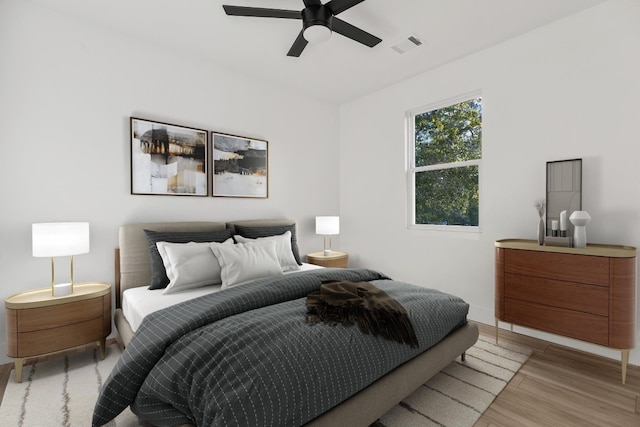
(318, 22)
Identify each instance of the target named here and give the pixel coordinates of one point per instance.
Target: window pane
(447, 196)
(449, 134)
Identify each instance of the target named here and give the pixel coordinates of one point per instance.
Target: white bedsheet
(138, 302)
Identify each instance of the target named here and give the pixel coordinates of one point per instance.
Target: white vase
(580, 219)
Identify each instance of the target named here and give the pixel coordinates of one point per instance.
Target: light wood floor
(556, 387)
(559, 386)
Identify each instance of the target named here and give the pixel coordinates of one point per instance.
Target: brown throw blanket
(374, 311)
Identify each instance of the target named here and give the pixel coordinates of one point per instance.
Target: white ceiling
(340, 69)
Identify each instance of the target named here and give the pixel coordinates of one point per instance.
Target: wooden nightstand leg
(496, 330)
(102, 346)
(19, 364)
(625, 362)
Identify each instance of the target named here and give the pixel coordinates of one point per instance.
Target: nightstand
(336, 259)
(38, 323)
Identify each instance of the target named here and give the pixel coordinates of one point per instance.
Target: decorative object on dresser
(588, 294)
(240, 166)
(580, 219)
(563, 223)
(55, 239)
(168, 159)
(540, 207)
(335, 260)
(38, 323)
(327, 226)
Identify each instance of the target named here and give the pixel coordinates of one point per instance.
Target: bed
(369, 391)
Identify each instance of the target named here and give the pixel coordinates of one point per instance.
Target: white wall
(67, 90)
(567, 90)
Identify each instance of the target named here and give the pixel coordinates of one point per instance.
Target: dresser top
(594, 249)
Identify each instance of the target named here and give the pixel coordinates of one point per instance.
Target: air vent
(406, 44)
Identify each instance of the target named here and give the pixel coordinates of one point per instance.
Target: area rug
(62, 391)
(459, 394)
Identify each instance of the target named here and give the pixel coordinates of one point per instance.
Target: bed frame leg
(463, 356)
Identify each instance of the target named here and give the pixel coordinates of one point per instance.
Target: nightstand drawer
(55, 339)
(35, 319)
(335, 263)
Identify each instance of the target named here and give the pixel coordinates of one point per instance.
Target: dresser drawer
(569, 295)
(573, 324)
(34, 319)
(593, 270)
(55, 339)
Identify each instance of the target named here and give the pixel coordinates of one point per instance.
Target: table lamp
(55, 239)
(327, 226)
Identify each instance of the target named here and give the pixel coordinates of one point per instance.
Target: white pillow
(243, 262)
(283, 249)
(190, 265)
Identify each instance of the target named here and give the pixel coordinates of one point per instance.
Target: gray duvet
(245, 356)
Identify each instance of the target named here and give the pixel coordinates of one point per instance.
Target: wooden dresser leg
(463, 356)
(19, 364)
(496, 331)
(625, 362)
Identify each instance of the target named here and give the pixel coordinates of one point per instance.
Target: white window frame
(412, 170)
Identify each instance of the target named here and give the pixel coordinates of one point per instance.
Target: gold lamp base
(61, 289)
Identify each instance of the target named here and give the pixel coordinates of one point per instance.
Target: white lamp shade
(327, 225)
(52, 239)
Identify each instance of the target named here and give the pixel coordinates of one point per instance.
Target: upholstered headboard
(133, 263)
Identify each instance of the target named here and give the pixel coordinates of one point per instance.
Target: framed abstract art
(168, 159)
(240, 166)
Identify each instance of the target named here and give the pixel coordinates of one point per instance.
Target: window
(444, 164)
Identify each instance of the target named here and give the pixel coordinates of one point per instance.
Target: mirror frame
(569, 174)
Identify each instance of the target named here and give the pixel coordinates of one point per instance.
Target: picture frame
(168, 159)
(240, 166)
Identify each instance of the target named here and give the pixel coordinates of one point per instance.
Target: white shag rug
(459, 394)
(62, 391)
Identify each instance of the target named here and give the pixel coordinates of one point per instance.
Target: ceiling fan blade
(308, 3)
(261, 12)
(354, 33)
(338, 6)
(298, 46)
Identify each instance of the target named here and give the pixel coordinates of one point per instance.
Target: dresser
(587, 294)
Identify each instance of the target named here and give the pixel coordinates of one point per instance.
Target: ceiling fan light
(316, 33)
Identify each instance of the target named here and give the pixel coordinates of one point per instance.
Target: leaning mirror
(564, 191)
